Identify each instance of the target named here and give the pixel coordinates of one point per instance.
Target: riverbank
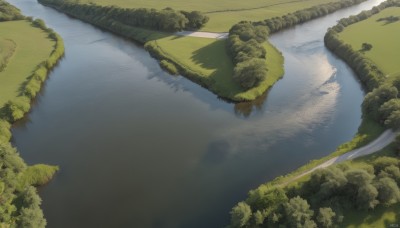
(296, 182)
(24, 69)
(191, 56)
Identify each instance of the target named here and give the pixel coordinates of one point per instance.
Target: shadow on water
(245, 109)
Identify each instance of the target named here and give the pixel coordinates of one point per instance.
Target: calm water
(140, 148)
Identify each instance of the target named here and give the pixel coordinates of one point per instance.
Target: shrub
(250, 73)
(17, 108)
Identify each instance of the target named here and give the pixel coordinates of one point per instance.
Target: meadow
(224, 13)
(208, 57)
(29, 52)
(384, 52)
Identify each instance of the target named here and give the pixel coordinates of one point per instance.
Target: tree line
(323, 199)
(168, 19)
(246, 38)
(19, 201)
(382, 103)
(9, 12)
(370, 75)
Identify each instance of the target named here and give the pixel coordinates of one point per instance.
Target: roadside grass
(209, 59)
(32, 47)
(223, 13)
(385, 52)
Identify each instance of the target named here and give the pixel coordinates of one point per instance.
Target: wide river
(140, 148)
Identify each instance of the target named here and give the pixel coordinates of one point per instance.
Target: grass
(385, 52)
(30, 50)
(7, 48)
(223, 13)
(209, 59)
(36, 175)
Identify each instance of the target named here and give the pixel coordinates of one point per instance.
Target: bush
(5, 133)
(17, 108)
(250, 73)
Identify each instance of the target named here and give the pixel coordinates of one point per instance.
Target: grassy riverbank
(192, 56)
(28, 50)
(363, 192)
(223, 13)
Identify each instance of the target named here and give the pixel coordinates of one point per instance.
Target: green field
(384, 37)
(223, 13)
(7, 48)
(29, 52)
(208, 57)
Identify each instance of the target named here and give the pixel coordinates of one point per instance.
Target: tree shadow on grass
(214, 57)
(389, 20)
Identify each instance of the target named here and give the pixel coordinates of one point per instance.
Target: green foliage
(366, 46)
(30, 214)
(5, 133)
(17, 108)
(326, 217)
(196, 19)
(8, 12)
(298, 213)
(240, 215)
(373, 100)
(168, 66)
(37, 175)
(389, 192)
(168, 20)
(250, 73)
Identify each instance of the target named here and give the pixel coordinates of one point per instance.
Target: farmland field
(225, 13)
(384, 52)
(29, 52)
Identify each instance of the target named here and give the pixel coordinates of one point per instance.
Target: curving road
(379, 143)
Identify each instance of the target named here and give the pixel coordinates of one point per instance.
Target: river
(140, 148)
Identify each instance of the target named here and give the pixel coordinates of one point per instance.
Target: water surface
(140, 148)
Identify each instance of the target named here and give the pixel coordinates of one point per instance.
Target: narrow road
(382, 141)
(211, 35)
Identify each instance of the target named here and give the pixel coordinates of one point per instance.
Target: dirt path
(382, 141)
(211, 35)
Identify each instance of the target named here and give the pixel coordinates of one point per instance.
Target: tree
(388, 107)
(250, 73)
(389, 192)
(373, 100)
(366, 47)
(325, 217)
(298, 213)
(240, 215)
(366, 197)
(393, 121)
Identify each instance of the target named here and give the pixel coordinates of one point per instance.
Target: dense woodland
(19, 201)
(323, 200)
(246, 38)
(168, 19)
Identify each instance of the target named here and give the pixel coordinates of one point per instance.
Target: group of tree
(19, 201)
(278, 23)
(9, 12)
(245, 40)
(168, 19)
(322, 200)
(383, 104)
(248, 54)
(366, 70)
